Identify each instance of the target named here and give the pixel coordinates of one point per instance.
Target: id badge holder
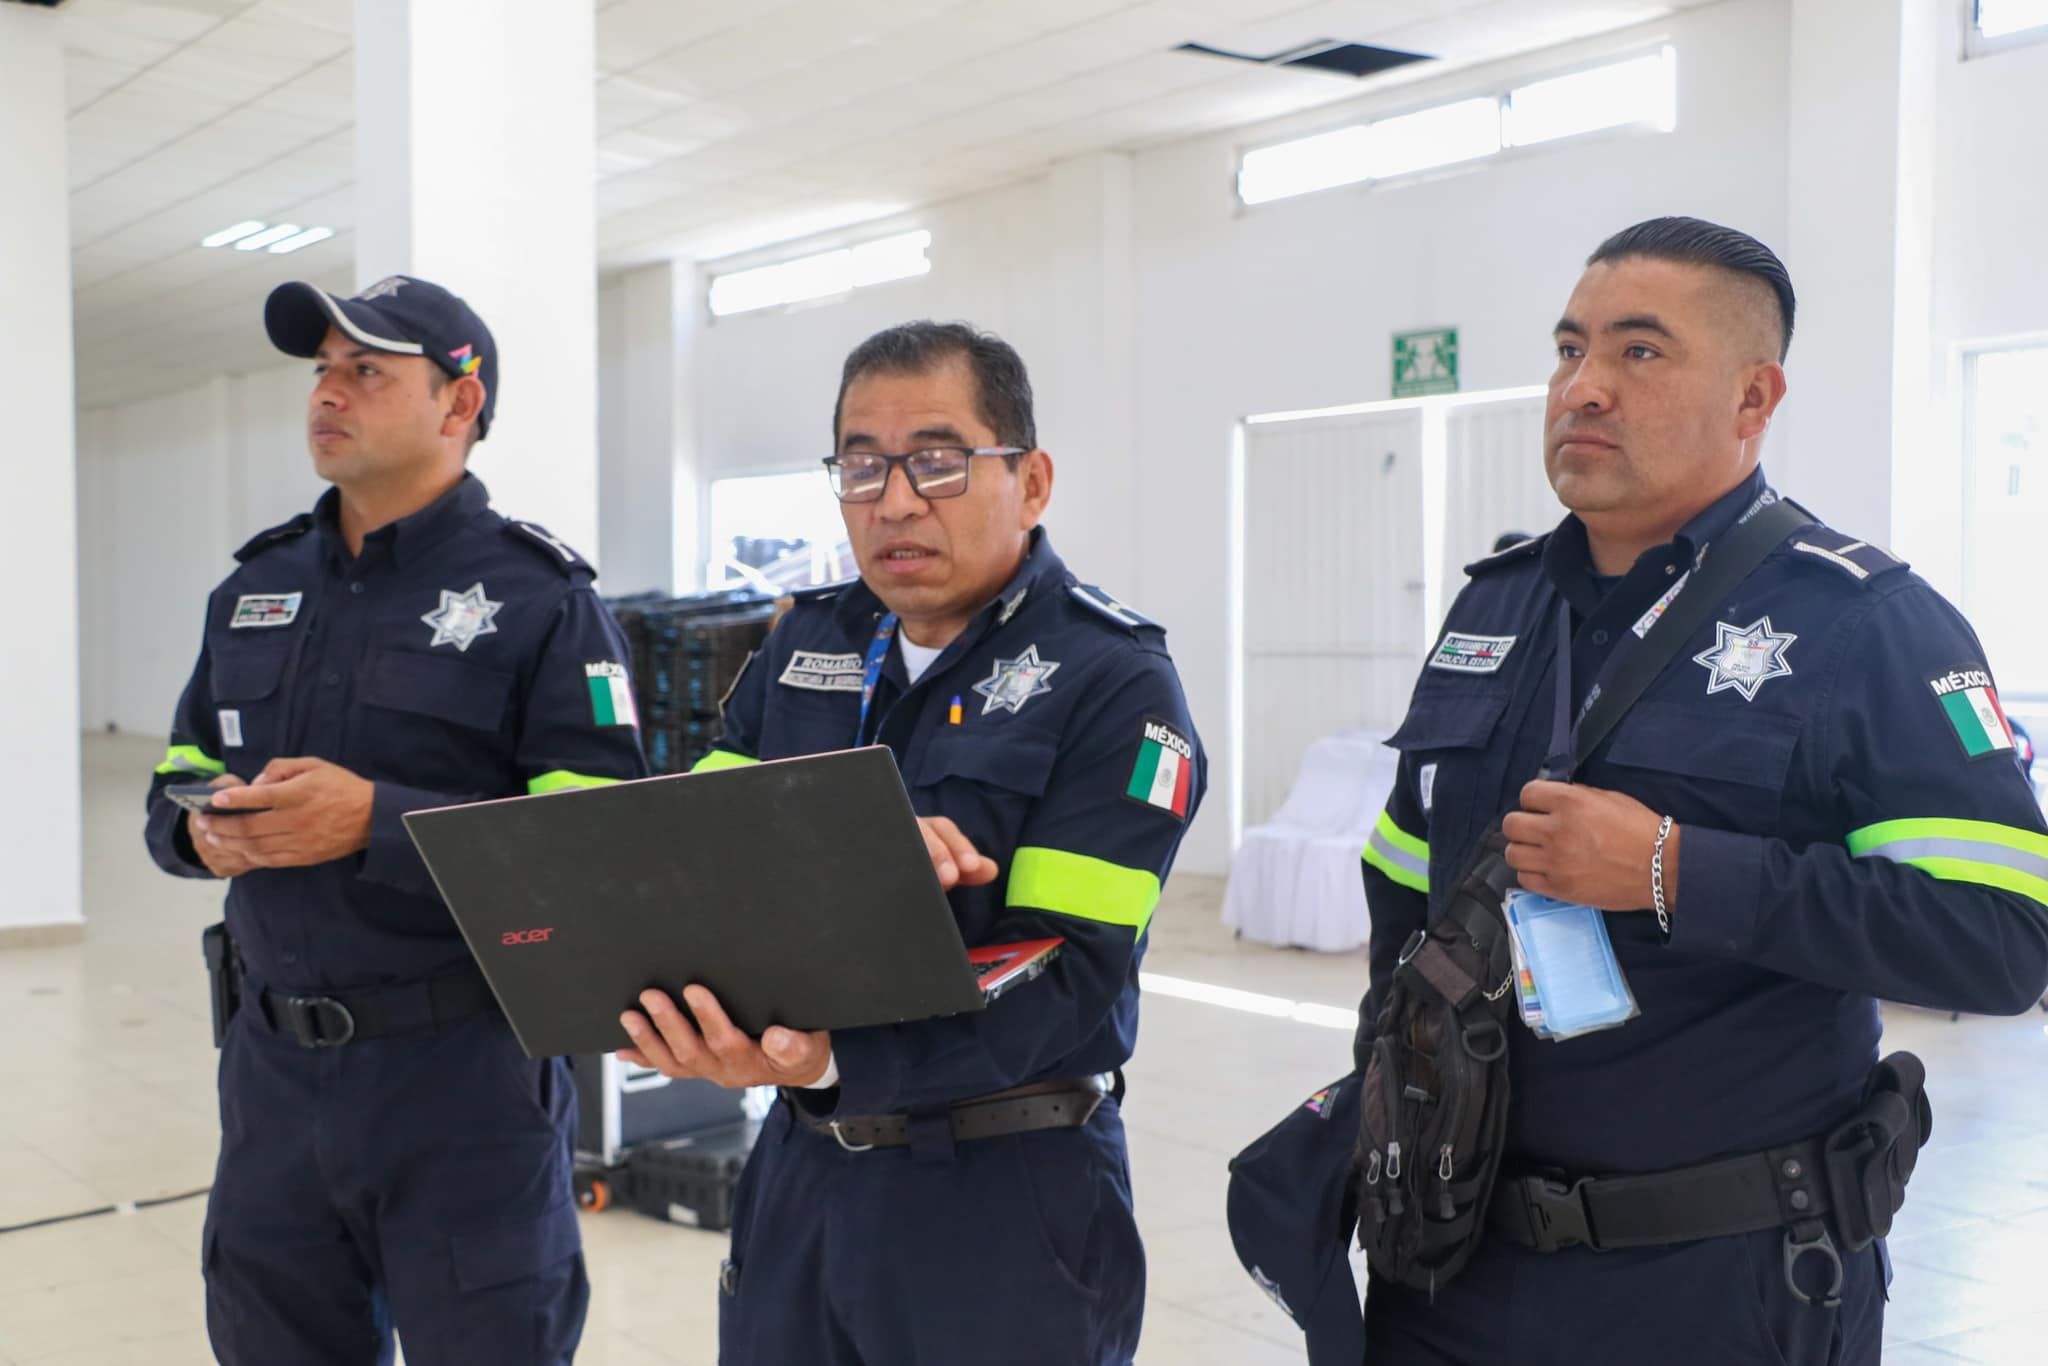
(1574, 976)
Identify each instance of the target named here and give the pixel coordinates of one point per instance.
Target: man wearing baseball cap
(389, 1156)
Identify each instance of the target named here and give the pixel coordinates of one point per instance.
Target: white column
(1861, 212)
(40, 819)
(475, 161)
(648, 516)
(1085, 388)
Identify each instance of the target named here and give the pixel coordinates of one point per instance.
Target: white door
(1493, 481)
(1334, 612)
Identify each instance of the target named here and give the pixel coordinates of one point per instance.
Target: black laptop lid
(798, 891)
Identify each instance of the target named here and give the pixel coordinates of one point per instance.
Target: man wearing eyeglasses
(957, 1189)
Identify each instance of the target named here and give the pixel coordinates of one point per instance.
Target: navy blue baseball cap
(399, 314)
(1292, 1208)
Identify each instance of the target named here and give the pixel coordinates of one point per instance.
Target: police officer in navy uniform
(1848, 823)
(388, 1154)
(957, 1189)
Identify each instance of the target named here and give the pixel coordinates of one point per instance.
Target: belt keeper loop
(931, 1135)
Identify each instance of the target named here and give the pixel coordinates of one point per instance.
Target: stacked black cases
(686, 654)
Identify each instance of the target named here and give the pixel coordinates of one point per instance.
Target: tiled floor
(106, 1095)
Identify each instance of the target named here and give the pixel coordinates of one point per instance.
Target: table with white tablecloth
(1295, 880)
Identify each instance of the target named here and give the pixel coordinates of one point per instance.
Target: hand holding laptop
(716, 1050)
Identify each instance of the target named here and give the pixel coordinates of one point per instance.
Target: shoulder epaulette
(539, 540)
(1860, 560)
(1514, 554)
(1102, 604)
(277, 535)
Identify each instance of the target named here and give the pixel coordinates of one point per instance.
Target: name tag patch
(265, 609)
(230, 728)
(1461, 654)
(822, 672)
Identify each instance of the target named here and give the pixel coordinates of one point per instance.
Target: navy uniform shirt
(1855, 826)
(459, 657)
(1073, 765)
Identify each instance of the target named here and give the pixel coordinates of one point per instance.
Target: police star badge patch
(462, 617)
(1016, 681)
(1745, 659)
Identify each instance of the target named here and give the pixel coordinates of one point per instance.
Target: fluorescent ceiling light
(823, 275)
(1443, 136)
(2000, 18)
(304, 239)
(1640, 91)
(263, 239)
(233, 234)
(1304, 165)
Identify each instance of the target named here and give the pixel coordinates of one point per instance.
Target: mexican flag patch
(1165, 772)
(611, 697)
(1971, 705)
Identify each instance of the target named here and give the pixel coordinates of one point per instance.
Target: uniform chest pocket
(247, 675)
(1457, 763)
(1450, 717)
(1721, 743)
(1733, 763)
(247, 683)
(441, 688)
(984, 783)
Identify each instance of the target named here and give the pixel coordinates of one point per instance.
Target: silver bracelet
(1657, 879)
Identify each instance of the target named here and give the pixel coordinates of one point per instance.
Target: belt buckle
(310, 1017)
(1557, 1213)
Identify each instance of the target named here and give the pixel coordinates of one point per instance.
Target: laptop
(798, 891)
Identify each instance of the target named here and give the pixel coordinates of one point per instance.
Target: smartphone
(199, 797)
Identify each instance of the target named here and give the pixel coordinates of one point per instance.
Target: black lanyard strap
(1632, 667)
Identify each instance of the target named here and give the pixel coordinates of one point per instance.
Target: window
(776, 532)
(1641, 92)
(1996, 25)
(822, 275)
(1305, 165)
(1443, 136)
(2005, 513)
(2004, 18)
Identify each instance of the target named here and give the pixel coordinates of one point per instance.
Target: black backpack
(1434, 1115)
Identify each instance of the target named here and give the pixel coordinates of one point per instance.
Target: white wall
(168, 488)
(40, 817)
(1291, 305)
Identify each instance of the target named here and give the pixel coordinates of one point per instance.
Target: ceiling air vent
(1325, 54)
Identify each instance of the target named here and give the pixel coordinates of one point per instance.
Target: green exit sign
(1426, 362)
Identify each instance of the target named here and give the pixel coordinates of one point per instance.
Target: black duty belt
(1063, 1103)
(1721, 1198)
(374, 1012)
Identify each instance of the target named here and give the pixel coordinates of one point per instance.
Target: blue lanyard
(878, 651)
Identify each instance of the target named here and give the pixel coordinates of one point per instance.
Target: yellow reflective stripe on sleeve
(1991, 855)
(190, 759)
(558, 779)
(1398, 854)
(721, 758)
(1083, 887)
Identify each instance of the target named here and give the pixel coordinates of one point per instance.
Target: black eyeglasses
(937, 472)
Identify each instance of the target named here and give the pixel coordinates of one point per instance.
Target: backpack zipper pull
(1394, 1160)
(1446, 1208)
(1372, 1169)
